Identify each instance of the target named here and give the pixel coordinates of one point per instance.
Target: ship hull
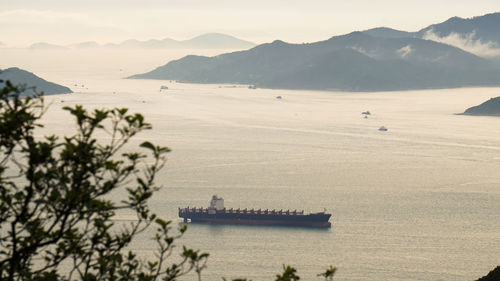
(263, 222)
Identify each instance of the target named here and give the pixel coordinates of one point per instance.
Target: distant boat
(383, 129)
(253, 87)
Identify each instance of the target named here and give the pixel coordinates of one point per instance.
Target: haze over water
(418, 202)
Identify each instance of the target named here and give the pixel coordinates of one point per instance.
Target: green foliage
(56, 216)
(328, 274)
(288, 274)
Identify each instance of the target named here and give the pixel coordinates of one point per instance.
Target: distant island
(204, 41)
(490, 107)
(46, 46)
(380, 59)
(22, 77)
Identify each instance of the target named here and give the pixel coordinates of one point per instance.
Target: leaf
(148, 145)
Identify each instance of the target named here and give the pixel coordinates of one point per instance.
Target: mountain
(22, 77)
(353, 62)
(46, 46)
(216, 41)
(484, 28)
(490, 107)
(478, 35)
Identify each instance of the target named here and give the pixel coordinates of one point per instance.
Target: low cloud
(467, 42)
(363, 51)
(405, 51)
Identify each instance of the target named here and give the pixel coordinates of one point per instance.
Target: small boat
(383, 129)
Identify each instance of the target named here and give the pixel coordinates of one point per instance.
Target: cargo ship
(217, 213)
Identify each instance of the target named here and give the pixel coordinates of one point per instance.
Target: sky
(23, 22)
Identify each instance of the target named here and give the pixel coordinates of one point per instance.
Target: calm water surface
(418, 202)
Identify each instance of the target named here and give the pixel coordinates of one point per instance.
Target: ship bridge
(216, 204)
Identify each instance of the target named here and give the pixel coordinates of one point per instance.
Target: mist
(466, 42)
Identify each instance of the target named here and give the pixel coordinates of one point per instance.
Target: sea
(420, 201)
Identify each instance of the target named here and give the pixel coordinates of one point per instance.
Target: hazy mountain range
(205, 41)
(22, 77)
(374, 60)
(46, 46)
